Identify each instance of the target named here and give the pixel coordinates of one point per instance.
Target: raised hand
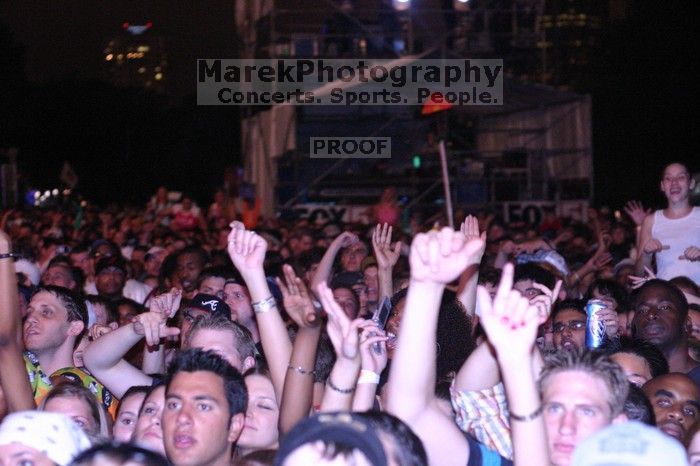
(530, 247)
(296, 299)
(691, 254)
(342, 332)
(246, 248)
(97, 331)
(153, 327)
(636, 282)
(470, 230)
(386, 255)
(345, 239)
(653, 246)
(608, 315)
(373, 360)
(509, 320)
(636, 212)
(440, 257)
(166, 304)
(601, 260)
(545, 301)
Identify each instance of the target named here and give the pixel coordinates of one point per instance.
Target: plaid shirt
(484, 415)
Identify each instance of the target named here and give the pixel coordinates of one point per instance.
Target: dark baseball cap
(210, 304)
(110, 262)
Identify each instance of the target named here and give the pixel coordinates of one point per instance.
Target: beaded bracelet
(8, 255)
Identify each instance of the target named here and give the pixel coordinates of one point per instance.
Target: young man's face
(222, 342)
(238, 300)
(352, 257)
(46, 326)
(372, 281)
(197, 427)
(656, 317)
(575, 407)
(213, 286)
(636, 368)
(676, 183)
(58, 275)
(347, 300)
(569, 329)
(110, 282)
(189, 267)
(676, 402)
(527, 289)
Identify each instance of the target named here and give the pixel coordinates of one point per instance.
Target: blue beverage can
(595, 327)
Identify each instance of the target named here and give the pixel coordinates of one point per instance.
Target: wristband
(344, 391)
(260, 307)
(8, 255)
(369, 377)
(530, 417)
(301, 370)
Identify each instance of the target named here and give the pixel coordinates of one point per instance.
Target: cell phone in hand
(381, 317)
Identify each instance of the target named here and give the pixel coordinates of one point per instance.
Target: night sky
(644, 110)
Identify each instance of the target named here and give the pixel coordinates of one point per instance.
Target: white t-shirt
(679, 234)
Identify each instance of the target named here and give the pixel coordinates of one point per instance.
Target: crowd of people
(175, 335)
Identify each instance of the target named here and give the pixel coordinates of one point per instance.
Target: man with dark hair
(660, 315)
(569, 325)
(61, 273)
(212, 280)
(205, 406)
(676, 402)
(190, 263)
(526, 275)
(672, 235)
(640, 360)
(110, 277)
(55, 322)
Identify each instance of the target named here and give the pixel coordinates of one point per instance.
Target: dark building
(136, 58)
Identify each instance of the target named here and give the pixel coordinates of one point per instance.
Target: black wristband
(9, 255)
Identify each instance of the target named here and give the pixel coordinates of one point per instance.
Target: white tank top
(679, 234)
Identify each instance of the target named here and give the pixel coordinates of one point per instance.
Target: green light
(416, 161)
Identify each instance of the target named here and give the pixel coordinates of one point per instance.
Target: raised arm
(647, 246)
(323, 271)
(511, 322)
(104, 357)
(247, 251)
(466, 291)
(14, 380)
(436, 258)
(386, 256)
(297, 396)
(374, 360)
(343, 333)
